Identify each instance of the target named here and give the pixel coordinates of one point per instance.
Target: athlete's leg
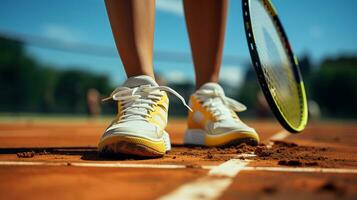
(139, 127)
(214, 121)
(206, 22)
(132, 23)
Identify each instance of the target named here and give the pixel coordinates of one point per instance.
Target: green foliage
(248, 92)
(18, 78)
(72, 87)
(334, 87)
(27, 86)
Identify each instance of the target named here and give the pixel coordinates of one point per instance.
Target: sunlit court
(178, 99)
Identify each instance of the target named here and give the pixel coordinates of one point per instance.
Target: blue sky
(318, 27)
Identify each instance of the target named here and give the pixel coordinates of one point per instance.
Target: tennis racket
(275, 64)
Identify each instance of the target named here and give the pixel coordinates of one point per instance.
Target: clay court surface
(58, 160)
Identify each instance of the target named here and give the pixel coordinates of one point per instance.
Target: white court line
(301, 169)
(213, 172)
(217, 180)
(90, 164)
(30, 163)
(210, 186)
(278, 136)
(125, 165)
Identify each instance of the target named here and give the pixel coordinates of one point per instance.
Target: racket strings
(275, 62)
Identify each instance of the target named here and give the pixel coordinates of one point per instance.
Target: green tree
(72, 87)
(334, 85)
(28, 86)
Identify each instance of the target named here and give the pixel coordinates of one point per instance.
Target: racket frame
(259, 69)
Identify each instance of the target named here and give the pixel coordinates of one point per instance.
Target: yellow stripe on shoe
(139, 144)
(213, 121)
(201, 138)
(139, 127)
(132, 145)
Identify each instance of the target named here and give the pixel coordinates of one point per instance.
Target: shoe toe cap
(134, 128)
(226, 127)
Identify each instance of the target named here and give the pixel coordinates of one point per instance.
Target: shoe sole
(135, 146)
(198, 137)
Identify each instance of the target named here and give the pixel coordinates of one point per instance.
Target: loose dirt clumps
(28, 154)
(244, 148)
(31, 153)
(211, 153)
(263, 151)
(281, 152)
(290, 162)
(291, 154)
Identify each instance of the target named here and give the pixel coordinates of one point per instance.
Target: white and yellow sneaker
(214, 122)
(139, 127)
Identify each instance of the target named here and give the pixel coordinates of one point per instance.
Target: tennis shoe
(214, 122)
(139, 127)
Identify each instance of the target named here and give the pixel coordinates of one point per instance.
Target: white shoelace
(217, 103)
(138, 101)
